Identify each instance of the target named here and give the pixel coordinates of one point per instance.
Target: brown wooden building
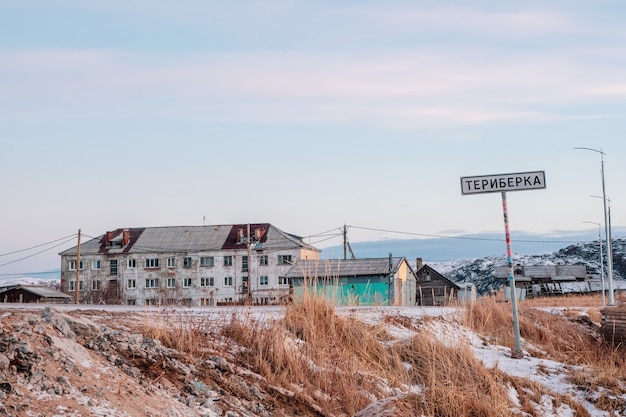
(433, 289)
(33, 294)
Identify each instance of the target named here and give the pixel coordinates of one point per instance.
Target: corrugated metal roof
(545, 271)
(189, 239)
(342, 267)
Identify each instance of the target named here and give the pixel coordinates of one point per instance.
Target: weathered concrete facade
(187, 265)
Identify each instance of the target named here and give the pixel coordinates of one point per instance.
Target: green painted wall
(347, 291)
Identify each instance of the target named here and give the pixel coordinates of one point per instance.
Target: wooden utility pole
(345, 242)
(77, 270)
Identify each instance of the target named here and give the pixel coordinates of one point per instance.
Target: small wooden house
(433, 289)
(33, 294)
(372, 281)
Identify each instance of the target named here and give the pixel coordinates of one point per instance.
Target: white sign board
(504, 182)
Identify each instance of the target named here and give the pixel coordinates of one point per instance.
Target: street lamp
(601, 259)
(609, 248)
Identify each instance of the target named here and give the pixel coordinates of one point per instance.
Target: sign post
(502, 183)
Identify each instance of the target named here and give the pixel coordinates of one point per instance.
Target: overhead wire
(38, 246)
(460, 237)
(36, 253)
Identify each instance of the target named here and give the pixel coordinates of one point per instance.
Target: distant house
(184, 265)
(33, 294)
(536, 280)
(372, 281)
(433, 289)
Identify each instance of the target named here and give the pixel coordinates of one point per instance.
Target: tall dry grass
(340, 363)
(564, 338)
(454, 382)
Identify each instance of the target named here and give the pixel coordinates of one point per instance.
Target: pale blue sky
(305, 114)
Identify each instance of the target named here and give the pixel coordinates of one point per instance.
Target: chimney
(109, 236)
(418, 263)
(125, 237)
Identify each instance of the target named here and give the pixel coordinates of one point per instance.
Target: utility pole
(346, 244)
(77, 270)
(607, 226)
(249, 266)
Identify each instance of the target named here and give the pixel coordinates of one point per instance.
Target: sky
(309, 115)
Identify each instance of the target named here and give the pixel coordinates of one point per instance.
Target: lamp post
(609, 248)
(601, 260)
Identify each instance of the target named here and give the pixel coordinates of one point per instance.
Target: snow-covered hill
(481, 271)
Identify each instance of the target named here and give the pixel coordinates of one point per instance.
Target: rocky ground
(89, 363)
(65, 361)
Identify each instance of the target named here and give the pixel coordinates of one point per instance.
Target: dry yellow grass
(562, 338)
(338, 365)
(340, 361)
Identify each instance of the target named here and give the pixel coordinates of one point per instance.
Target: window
(187, 282)
(207, 261)
(426, 276)
(73, 285)
(115, 244)
(131, 302)
(282, 281)
(171, 262)
(228, 281)
(152, 262)
(187, 262)
(72, 265)
(95, 285)
(263, 281)
(228, 260)
(263, 260)
(132, 263)
(152, 283)
(205, 302)
(95, 264)
(285, 260)
(207, 282)
(171, 283)
(131, 284)
(244, 263)
(113, 267)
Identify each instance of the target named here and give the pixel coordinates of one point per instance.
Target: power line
(36, 253)
(38, 246)
(460, 237)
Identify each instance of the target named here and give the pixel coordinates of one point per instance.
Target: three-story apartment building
(184, 265)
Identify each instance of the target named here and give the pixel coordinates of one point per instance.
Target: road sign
(503, 182)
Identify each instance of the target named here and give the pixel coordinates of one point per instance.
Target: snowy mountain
(481, 271)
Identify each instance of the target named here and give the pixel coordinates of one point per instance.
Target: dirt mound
(56, 364)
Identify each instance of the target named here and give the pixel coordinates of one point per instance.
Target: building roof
(440, 276)
(43, 292)
(332, 268)
(554, 272)
(189, 239)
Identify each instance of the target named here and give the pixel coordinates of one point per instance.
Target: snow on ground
(445, 326)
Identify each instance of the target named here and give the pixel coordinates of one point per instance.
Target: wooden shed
(433, 289)
(33, 294)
